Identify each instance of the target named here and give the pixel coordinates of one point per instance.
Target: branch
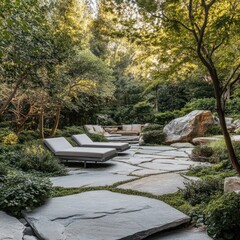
(231, 77)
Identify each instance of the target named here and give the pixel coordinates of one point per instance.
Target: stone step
(103, 215)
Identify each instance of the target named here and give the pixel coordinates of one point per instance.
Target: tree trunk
(156, 100)
(227, 138)
(11, 96)
(41, 124)
(56, 122)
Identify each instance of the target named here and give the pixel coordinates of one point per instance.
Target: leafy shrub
(10, 139)
(20, 191)
(154, 137)
(220, 170)
(36, 158)
(213, 130)
(69, 131)
(201, 104)
(222, 217)
(3, 170)
(105, 120)
(28, 136)
(4, 132)
(97, 137)
(10, 154)
(201, 191)
(220, 150)
(201, 153)
(232, 106)
(164, 118)
(152, 127)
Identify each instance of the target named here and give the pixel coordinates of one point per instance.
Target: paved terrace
(105, 215)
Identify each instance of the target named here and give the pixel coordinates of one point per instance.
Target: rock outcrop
(184, 129)
(232, 184)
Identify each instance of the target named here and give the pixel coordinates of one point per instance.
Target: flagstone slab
(157, 148)
(103, 215)
(144, 172)
(157, 184)
(165, 167)
(89, 179)
(177, 153)
(182, 145)
(136, 160)
(182, 234)
(10, 227)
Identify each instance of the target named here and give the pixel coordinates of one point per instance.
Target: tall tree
(199, 31)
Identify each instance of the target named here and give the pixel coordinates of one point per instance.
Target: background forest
(74, 62)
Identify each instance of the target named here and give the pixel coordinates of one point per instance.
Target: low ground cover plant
(153, 134)
(222, 217)
(20, 191)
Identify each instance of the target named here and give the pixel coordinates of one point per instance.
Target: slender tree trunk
(56, 122)
(227, 138)
(156, 100)
(11, 96)
(41, 124)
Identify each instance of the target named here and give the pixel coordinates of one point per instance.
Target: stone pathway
(97, 215)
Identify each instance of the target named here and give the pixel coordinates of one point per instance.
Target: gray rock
(185, 234)
(104, 215)
(145, 172)
(165, 167)
(26, 237)
(46, 229)
(90, 179)
(10, 228)
(184, 129)
(157, 184)
(232, 184)
(182, 145)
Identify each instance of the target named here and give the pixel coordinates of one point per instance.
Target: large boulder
(232, 184)
(184, 129)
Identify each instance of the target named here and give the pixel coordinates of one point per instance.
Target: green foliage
(20, 192)
(154, 137)
(3, 170)
(164, 118)
(69, 131)
(10, 154)
(36, 158)
(232, 106)
(97, 137)
(27, 136)
(220, 170)
(151, 127)
(202, 191)
(220, 150)
(201, 153)
(222, 217)
(213, 130)
(201, 104)
(10, 139)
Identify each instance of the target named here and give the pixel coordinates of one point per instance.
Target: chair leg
(85, 164)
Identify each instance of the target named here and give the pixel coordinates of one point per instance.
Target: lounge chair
(96, 129)
(63, 150)
(84, 141)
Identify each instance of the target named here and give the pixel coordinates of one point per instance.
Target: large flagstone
(157, 184)
(89, 179)
(10, 228)
(103, 215)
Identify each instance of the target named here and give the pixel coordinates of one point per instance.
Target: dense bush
(10, 139)
(201, 104)
(10, 154)
(69, 131)
(213, 130)
(154, 137)
(201, 191)
(222, 217)
(164, 118)
(36, 158)
(20, 191)
(232, 106)
(27, 136)
(220, 150)
(152, 127)
(201, 153)
(97, 137)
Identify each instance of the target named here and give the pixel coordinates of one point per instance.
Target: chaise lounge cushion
(85, 141)
(63, 149)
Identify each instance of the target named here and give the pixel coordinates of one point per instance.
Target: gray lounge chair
(84, 141)
(63, 150)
